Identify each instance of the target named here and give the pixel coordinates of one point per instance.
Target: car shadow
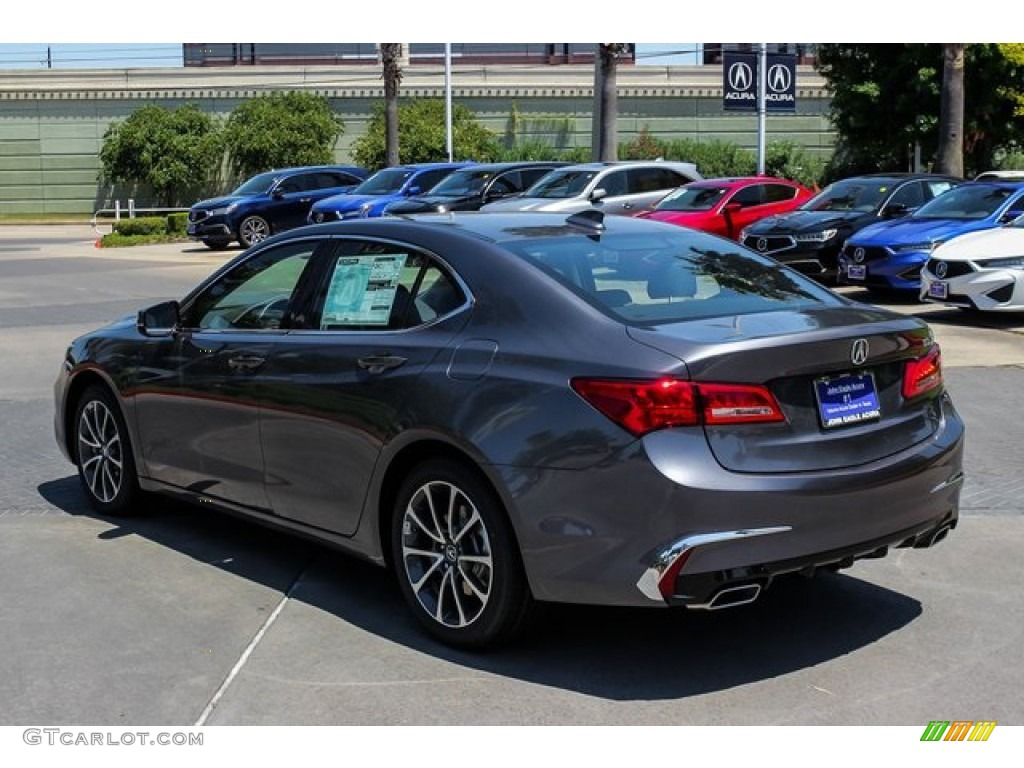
(624, 654)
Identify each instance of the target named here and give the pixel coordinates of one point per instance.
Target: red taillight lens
(923, 375)
(644, 406)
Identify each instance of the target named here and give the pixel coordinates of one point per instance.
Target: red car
(725, 206)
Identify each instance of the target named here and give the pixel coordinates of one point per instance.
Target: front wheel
(103, 453)
(456, 559)
(252, 230)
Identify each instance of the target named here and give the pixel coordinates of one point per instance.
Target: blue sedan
(386, 186)
(890, 255)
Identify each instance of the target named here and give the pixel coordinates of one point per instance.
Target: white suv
(623, 188)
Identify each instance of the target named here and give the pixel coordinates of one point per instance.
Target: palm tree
(950, 157)
(606, 104)
(391, 59)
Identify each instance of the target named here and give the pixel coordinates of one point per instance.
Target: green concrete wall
(49, 146)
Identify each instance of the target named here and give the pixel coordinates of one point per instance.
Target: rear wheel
(103, 453)
(456, 559)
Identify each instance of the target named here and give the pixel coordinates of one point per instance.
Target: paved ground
(146, 620)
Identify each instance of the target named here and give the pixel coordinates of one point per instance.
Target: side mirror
(159, 320)
(1009, 216)
(597, 195)
(495, 194)
(895, 210)
(413, 190)
(731, 208)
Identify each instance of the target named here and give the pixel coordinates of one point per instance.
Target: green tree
(886, 100)
(279, 130)
(175, 152)
(421, 135)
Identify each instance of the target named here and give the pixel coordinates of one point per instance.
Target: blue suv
(380, 190)
(890, 255)
(268, 203)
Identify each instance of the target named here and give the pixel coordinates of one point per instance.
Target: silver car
(620, 188)
(522, 408)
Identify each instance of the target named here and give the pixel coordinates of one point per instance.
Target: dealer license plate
(938, 290)
(856, 271)
(847, 399)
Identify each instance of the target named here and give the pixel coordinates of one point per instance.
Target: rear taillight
(645, 406)
(922, 375)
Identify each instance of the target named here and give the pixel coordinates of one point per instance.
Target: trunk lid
(811, 362)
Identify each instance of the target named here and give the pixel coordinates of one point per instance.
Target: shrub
(177, 223)
(145, 225)
(279, 130)
(175, 152)
(788, 160)
(421, 135)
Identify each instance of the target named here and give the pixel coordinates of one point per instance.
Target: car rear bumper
(669, 494)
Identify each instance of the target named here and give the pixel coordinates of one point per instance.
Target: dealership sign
(740, 81)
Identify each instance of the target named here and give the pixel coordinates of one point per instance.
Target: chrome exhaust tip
(729, 597)
(931, 539)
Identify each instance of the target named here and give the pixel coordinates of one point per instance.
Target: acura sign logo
(742, 73)
(941, 269)
(762, 244)
(779, 78)
(858, 255)
(741, 77)
(859, 352)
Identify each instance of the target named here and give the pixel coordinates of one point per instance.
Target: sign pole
(449, 141)
(762, 88)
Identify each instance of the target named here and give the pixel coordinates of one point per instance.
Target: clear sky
(130, 55)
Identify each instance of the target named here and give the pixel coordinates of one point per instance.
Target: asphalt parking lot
(179, 617)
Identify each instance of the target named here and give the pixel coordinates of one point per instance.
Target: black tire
(458, 567)
(216, 245)
(103, 453)
(252, 230)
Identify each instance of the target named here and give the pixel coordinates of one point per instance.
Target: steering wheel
(262, 314)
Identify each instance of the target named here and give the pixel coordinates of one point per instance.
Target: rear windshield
(654, 278)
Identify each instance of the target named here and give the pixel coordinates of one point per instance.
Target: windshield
(258, 185)
(692, 199)
(849, 195)
(384, 182)
(965, 202)
(665, 277)
(462, 183)
(561, 184)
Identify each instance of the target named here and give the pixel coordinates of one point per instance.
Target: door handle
(245, 363)
(305, 199)
(380, 363)
(627, 206)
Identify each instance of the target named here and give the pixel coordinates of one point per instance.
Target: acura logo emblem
(941, 269)
(859, 353)
(740, 76)
(779, 78)
(858, 255)
(762, 244)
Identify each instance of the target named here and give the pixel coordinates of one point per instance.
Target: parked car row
(877, 230)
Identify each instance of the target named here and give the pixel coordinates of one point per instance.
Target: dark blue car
(386, 186)
(889, 255)
(268, 203)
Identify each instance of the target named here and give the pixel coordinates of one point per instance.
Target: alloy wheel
(100, 451)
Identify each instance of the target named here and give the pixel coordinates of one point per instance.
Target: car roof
(737, 181)
(494, 227)
(601, 165)
(897, 176)
(509, 166)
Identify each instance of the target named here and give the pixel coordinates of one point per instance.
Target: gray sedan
(525, 408)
